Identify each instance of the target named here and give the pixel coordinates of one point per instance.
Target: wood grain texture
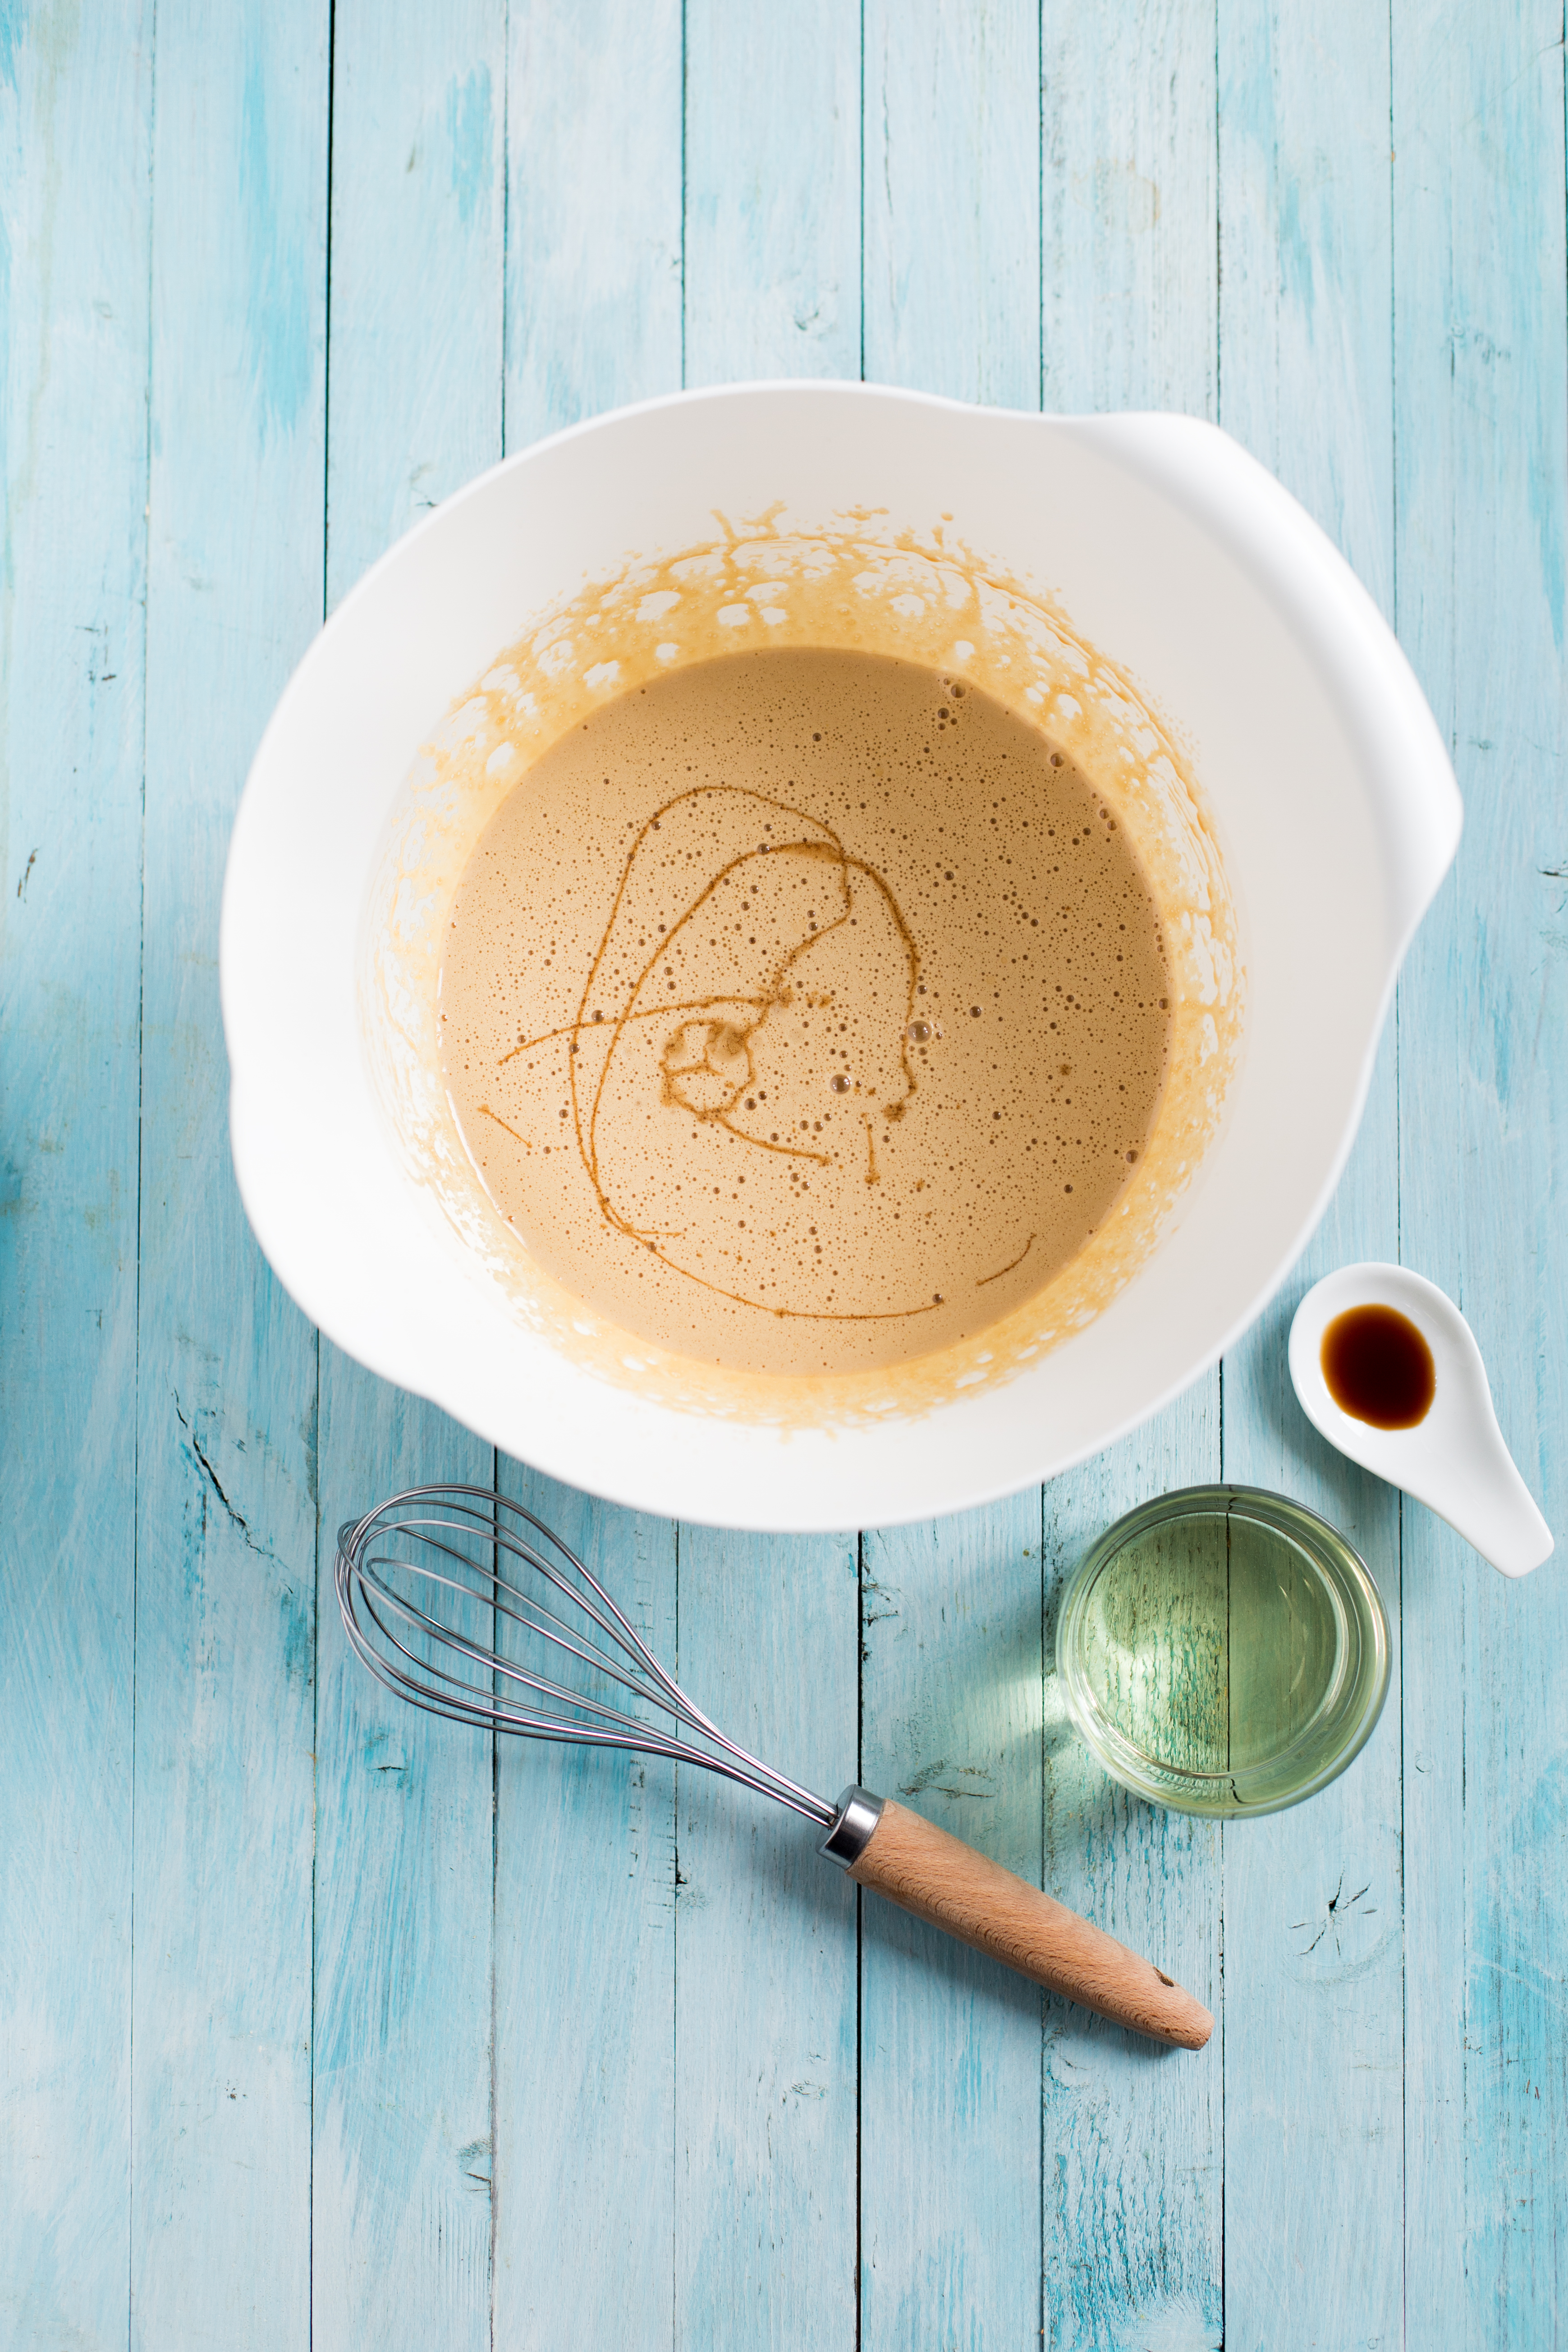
(594, 214)
(1131, 2162)
(773, 189)
(1312, 1898)
(584, 1992)
(585, 1869)
(420, 103)
(765, 2008)
(1129, 226)
(951, 1885)
(1483, 474)
(1131, 2169)
(402, 2122)
(950, 1684)
(950, 2052)
(73, 369)
(401, 2111)
(952, 228)
(765, 2001)
(227, 1404)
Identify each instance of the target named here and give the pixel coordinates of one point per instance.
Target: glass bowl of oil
(1223, 1651)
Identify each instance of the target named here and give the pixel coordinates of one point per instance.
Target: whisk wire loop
(589, 1652)
(490, 1659)
(403, 1555)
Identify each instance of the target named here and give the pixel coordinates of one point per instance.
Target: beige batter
(805, 1010)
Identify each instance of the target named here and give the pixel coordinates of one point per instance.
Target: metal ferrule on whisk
(849, 1833)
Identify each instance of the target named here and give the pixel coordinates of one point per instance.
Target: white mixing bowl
(1319, 764)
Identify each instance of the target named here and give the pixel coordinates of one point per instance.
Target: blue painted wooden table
(324, 2025)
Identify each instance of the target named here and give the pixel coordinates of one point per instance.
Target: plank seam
(315, 1815)
(1399, 1235)
(141, 1109)
(1040, 403)
(860, 1589)
(1218, 414)
(316, 1582)
(1046, 1663)
(675, 1793)
(684, 121)
(495, 2193)
(505, 348)
(1218, 419)
(495, 1771)
(860, 1556)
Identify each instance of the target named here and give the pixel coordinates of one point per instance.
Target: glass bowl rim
(1312, 1534)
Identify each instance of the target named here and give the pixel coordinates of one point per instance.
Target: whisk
(454, 1597)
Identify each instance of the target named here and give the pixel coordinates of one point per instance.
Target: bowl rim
(1242, 506)
(1310, 1533)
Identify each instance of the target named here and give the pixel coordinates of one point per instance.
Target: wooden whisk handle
(940, 1879)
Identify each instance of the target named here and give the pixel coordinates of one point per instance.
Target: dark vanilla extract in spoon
(1378, 1367)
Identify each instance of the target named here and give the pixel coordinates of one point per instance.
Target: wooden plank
(418, 203)
(765, 1956)
(73, 291)
(227, 1416)
(949, 2056)
(401, 2127)
(1483, 474)
(1131, 2162)
(584, 1991)
(950, 1618)
(593, 216)
(1312, 1897)
(1306, 264)
(400, 2229)
(1130, 306)
(765, 2015)
(952, 199)
(584, 1864)
(1132, 2180)
(1314, 1960)
(772, 190)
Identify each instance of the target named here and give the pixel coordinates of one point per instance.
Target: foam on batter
(805, 1010)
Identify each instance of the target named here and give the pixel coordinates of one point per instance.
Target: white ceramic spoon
(1454, 1460)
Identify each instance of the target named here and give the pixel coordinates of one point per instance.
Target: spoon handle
(940, 1879)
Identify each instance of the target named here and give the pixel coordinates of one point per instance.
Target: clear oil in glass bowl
(1224, 1650)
